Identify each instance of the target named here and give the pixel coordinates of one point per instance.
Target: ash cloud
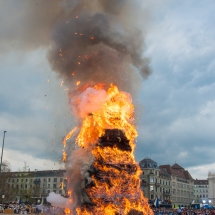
(108, 46)
(95, 44)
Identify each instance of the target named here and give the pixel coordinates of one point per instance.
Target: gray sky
(175, 105)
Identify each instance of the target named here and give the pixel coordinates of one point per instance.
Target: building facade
(211, 186)
(201, 190)
(34, 186)
(171, 184)
(155, 182)
(182, 185)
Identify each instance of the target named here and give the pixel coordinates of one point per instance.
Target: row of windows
(181, 193)
(152, 180)
(202, 196)
(182, 186)
(200, 185)
(201, 191)
(161, 189)
(30, 180)
(25, 186)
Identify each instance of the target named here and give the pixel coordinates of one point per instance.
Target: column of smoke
(95, 41)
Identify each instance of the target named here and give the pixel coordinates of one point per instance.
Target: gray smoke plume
(95, 40)
(93, 44)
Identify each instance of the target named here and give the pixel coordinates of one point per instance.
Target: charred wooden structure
(111, 179)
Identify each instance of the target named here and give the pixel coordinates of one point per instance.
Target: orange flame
(123, 187)
(64, 156)
(116, 113)
(67, 211)
(68, 136)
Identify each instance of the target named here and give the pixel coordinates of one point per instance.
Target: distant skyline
(175, 106)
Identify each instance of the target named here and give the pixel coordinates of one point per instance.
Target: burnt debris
(105, 175)
(115, 138)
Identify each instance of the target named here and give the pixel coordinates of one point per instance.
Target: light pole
(2, 150)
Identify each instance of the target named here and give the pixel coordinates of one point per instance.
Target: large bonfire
(110, 183)
(97, 50)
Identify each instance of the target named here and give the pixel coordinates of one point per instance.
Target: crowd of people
(18, 208)
(22, 208)
(184, 211)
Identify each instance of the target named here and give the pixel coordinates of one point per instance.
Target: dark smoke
(93, 44)
(114, 55)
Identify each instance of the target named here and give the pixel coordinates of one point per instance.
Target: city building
(211, 186)
(171, 184)
(34, 186)
(155, 182)
(201, 189)
(182, 185)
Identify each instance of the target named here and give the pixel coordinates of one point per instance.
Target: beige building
(211, 186)
(34, 186)
(171, 184)
(155, 182)
(182, 185)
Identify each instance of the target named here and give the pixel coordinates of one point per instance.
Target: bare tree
(4, 176)
(5, 167)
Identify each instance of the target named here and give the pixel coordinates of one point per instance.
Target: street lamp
(2, 150)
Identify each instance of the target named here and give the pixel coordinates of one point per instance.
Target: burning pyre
(108, 183)
(96, 49)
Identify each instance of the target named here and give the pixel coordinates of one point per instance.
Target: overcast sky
(177, 100)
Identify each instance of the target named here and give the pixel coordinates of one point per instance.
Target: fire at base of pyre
(111, 185)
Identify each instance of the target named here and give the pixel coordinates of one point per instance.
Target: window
(48, 191)
(17, 180)
(151, 188)
(26, 186)
(55, 179)
(13, 180)
(26, 180)
(49, 180)
(44, 180)
(48, 185)
(151, 179)
(54, 185)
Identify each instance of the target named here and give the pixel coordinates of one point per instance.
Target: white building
(201, 190)
(211, 183)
